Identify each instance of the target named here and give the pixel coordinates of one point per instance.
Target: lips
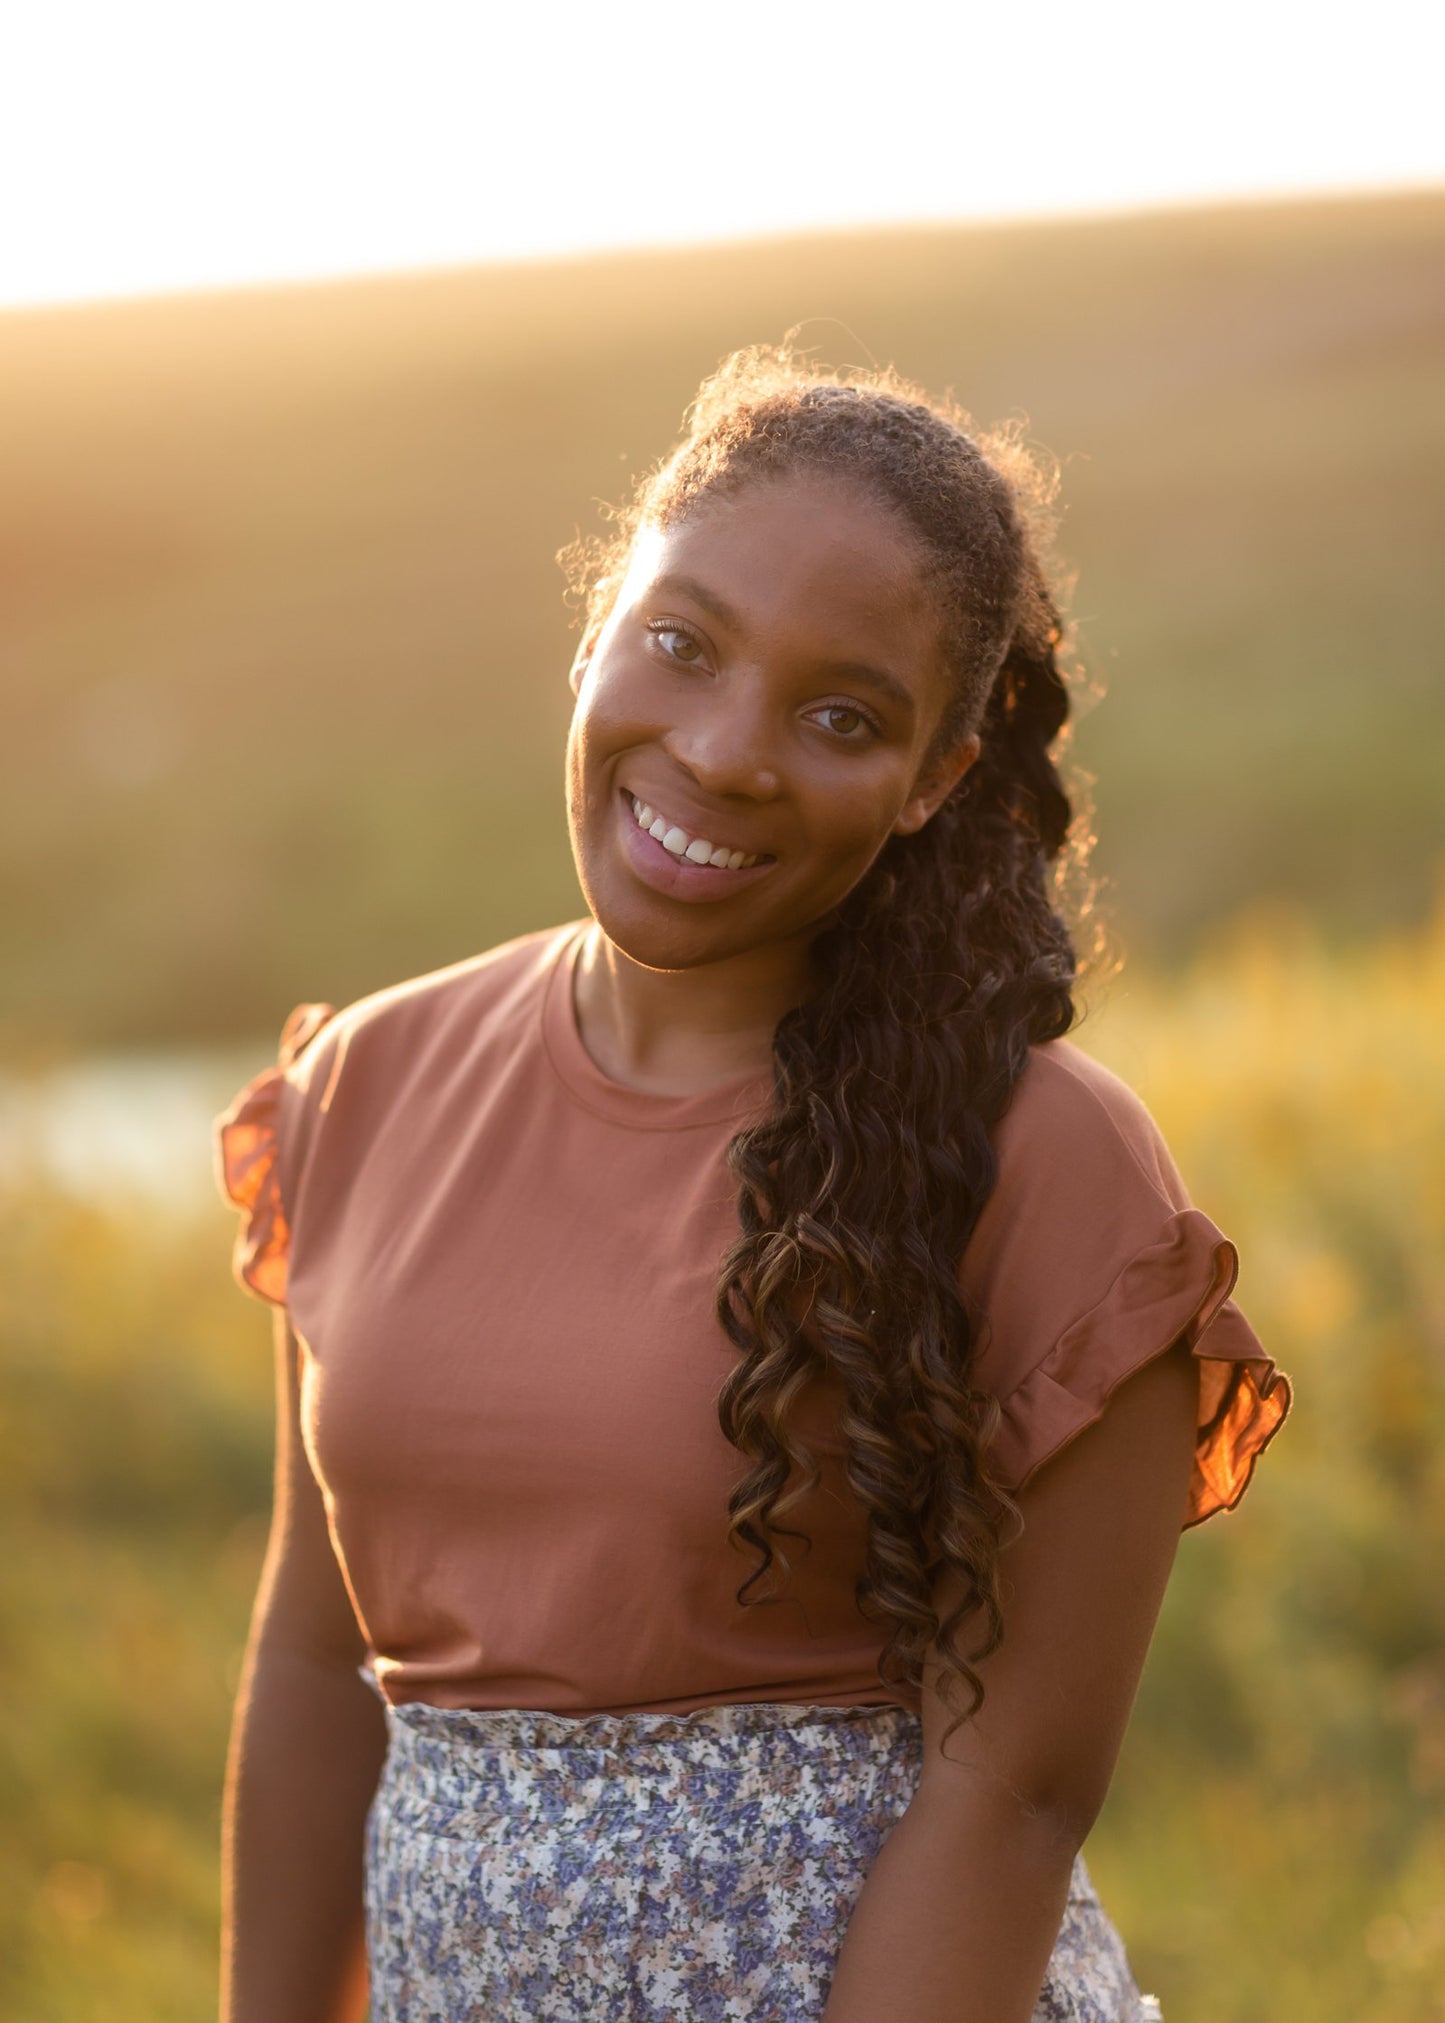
(674, 874)
(682, 837)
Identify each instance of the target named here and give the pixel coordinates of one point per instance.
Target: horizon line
(1316, 195)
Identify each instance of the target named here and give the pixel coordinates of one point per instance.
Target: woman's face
(767, 684)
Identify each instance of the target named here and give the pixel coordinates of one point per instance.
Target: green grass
(1275, 1841)
(135, 1450)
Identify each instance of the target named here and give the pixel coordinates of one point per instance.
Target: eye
(680, 643)
(851, 731)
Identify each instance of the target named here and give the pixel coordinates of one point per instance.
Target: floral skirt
(653, 1868)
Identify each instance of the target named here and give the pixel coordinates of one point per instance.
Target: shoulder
(1088, 1261)
(468, 997)
(1085, 1186)
(385, 1061)
(1074, 1120)
(345, 1080)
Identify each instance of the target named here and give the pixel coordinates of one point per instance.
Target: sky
(167, 145)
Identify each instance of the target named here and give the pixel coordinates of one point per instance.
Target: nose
(727, 741)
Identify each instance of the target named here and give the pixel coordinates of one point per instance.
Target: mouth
(679, 864)
(684, 844)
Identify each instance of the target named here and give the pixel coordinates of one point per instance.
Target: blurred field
(283, 645)
(1275, 1843)
(282, 659)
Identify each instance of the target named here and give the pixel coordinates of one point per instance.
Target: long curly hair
(859, 1191)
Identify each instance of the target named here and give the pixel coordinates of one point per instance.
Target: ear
(935, 782)
(580, 661)
(591, 633)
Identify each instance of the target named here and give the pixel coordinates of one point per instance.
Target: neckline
(640, 1109)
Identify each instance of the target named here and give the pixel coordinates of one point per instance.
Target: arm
(307, 1743)
(959, 1914)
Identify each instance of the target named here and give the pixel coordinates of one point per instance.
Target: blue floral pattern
(653, 1868)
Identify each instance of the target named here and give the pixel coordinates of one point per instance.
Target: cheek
(611, 711)
(598, 728)
(855, 818)
(845, 830)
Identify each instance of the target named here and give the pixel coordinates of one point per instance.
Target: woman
(742, 1373)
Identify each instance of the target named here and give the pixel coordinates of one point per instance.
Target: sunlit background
(169, 144)
(325, 328)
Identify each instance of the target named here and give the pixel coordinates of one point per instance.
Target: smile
(696, 849)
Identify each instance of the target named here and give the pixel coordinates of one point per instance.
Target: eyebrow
(860, 671)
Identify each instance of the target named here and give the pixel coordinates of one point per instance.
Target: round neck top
(499, 1266)
(617, 1102)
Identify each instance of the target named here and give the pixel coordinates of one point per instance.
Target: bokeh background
(282, 664)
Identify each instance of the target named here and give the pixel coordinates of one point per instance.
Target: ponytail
(859, 1193)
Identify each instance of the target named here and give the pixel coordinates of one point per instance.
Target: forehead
(806, 557)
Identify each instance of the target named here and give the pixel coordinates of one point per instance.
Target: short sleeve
(248, 1145)
(1089, 1260)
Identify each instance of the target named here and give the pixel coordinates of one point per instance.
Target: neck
(676, 1032)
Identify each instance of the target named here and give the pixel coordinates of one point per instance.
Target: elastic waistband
(525, 1728)
(523, 1764)
(532, 1728)
(759, 1728)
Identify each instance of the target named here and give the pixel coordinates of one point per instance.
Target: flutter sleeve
(1088, 1261)
(249, 1141)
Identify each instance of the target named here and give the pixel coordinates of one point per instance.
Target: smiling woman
(767, 675)
(742, 1373)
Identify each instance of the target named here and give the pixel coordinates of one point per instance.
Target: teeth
(696, 849)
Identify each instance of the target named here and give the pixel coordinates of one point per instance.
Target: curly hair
(859, 1191)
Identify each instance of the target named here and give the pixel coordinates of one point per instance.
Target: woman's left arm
(961, 1908)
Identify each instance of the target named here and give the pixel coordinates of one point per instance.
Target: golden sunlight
(163, 147)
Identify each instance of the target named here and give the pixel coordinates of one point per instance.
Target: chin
(649, 938)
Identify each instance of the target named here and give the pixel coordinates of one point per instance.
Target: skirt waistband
(755, 1746)
(534, 1728)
